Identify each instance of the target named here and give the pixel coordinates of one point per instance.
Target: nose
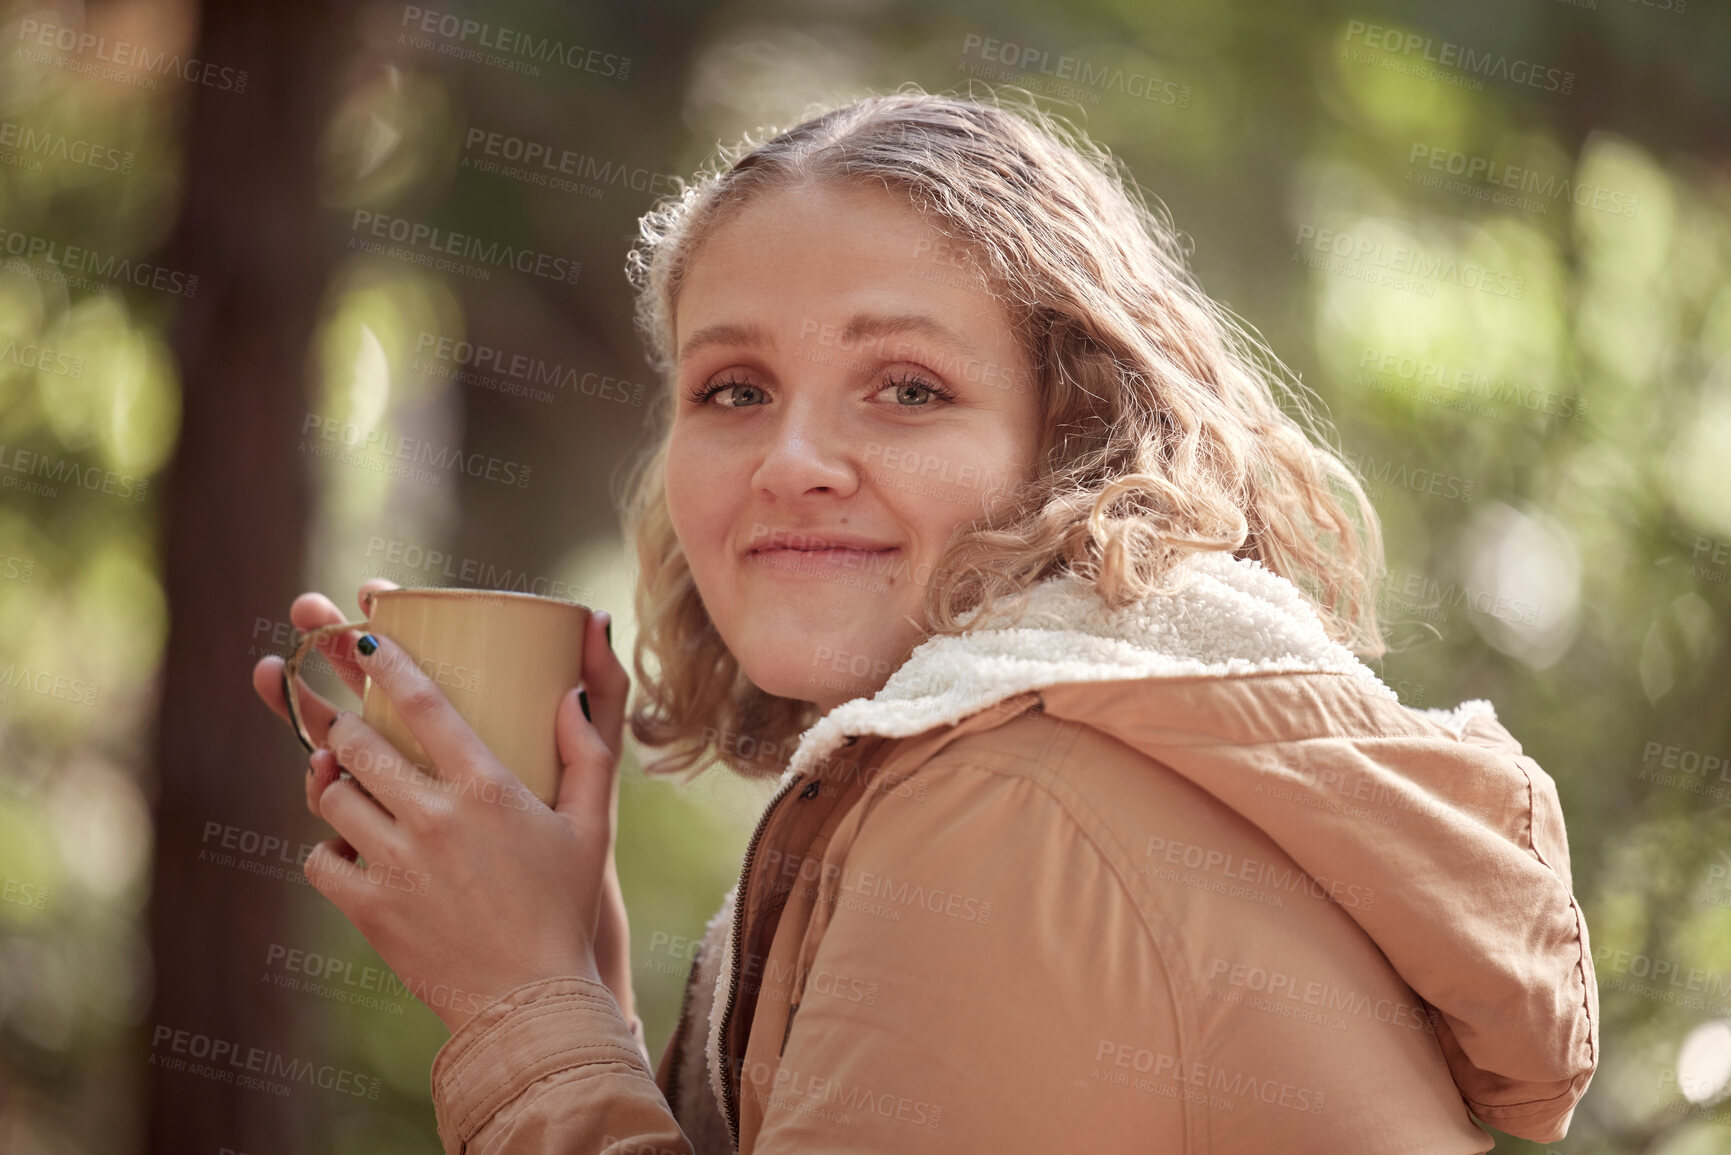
(809, 449)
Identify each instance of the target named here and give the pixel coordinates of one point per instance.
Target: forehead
(832, 249)
(841, 209)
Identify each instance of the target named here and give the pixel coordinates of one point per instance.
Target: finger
(372, 760)
(316, 710)
(332, 870)
(450, 744)
(370, 587)
(358, 818)
(310, 611)
(322, 770)
(605, 678)
(590, 777)
(406, 791)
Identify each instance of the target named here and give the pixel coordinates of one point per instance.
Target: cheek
(946, 485)
(684, 502)
(702, 494)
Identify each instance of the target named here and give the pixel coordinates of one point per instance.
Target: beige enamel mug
(503, 659)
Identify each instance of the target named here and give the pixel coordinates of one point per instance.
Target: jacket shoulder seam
(1044, 772)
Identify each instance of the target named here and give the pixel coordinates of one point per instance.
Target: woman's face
(866, 397)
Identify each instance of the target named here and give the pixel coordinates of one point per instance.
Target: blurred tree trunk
(252, 231)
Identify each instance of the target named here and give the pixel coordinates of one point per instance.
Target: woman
(1095, 833)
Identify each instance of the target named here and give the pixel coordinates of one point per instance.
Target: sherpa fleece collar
(1226, 617)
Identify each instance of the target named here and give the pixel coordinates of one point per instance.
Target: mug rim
(458, 591)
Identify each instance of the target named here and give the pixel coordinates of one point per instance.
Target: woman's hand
(470, 885)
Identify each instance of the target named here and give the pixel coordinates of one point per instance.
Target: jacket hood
(1513, 987)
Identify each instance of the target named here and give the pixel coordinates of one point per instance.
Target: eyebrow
(884, 325)
(862, 325)
(744, 336)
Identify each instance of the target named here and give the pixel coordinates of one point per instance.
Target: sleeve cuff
(538, 1029)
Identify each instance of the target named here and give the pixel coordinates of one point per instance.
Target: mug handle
(291, 670)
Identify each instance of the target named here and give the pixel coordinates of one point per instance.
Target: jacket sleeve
(945, 1008)
(1550, 980)
(553, 1066)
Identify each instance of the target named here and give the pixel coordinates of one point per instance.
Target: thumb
(590, 767)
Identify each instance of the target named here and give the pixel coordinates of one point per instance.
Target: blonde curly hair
(1166, 421)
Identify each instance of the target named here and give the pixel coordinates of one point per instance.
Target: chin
(816, 652)
(784, 684)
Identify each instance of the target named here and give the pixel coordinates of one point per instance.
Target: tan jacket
(1183, 878)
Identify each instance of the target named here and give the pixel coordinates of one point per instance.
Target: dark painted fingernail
(608, 626)
(583, 700)
(367, 645)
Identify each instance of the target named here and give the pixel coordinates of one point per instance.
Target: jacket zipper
(729, 1097)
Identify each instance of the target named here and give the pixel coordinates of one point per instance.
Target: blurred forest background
(1493, 237)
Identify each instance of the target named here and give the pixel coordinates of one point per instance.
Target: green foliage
(1513, 299)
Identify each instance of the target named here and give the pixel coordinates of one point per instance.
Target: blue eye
(909, 386)
(705, 392)
(911, 381)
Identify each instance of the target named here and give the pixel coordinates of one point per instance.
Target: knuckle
(392, 763)
(429, 782)
(382, 769)
(432, 824)
(422, 802)
(425, 812)
(332, 798)
(386, 761)
(599, 750)
(420, 697)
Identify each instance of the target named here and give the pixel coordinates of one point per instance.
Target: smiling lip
(799, 543)
(819, 552)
